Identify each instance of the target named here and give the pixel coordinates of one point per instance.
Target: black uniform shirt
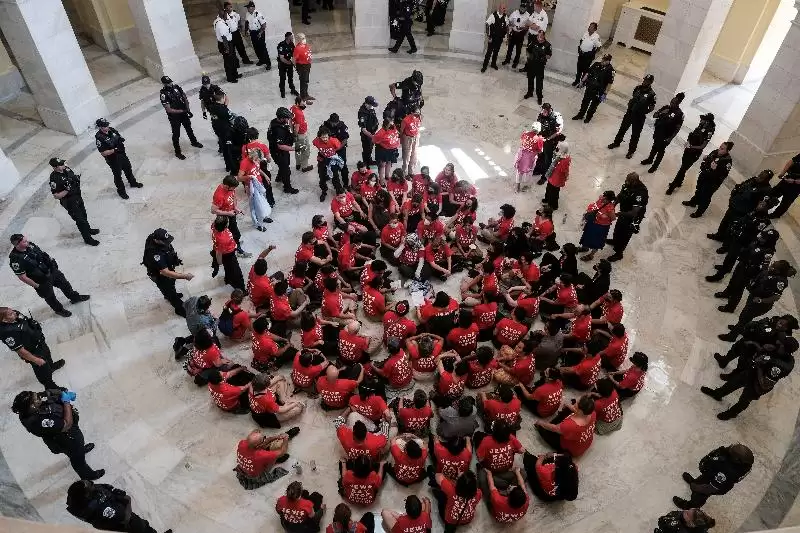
(157, 257)
(599, 76)
(550, 123)
(633, 196)
(368, 118)
(107, 141)
(65, 181)
(339, 131)
(538, 52)
(721, 471)
(47, 421)
(220, 118)
(643, 100)
(286, 51)
(668, 122)
(757, 258)
(279, 133)
(499, 26)
(173, 97)
(33, 262)
(107, 508)
(24, 332)
(702, 133)
(405, 10)
(768, 284)
(411, 93)
(746, 195)
(723, 165)
(207, 94)
(775, 367)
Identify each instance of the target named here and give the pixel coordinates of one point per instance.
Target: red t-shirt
(397, 188)
(393, 236)
(530, 304)
(428, 230)
(567, 296)
(439, 255)
(458, 511)
(373, 407)
(414, 419)
(463, 340)
(498, 410)
(343, 207)
(260, 289)
(588, 370)
(281, 308)
(446, 183)
(576, 439)
(509, 331)
(531, 273)
(465, 236)
(616, 351)
(546, 473)
(398, 326)
(489, 284)
(222, 241)
(410, 125)
(296, 282)
(398, 370)
(263, 402)
(582, 327)
(311, 338)
(425, 364)
(224, 199)
(332, 303)
(498, 456)
(258, 145)
(633, 379)
(613, 311)
(241, 320)
(374, 302)
(406, 469)
(336, 394)
(459, 196)
(543, 226)
(357, 178)
(428, 311)
(225, 395)
(449, 465)
(387, 139)
(368, 191)
(205, 359)
(608, 409)
(303, 376)
(409, 257)
(485, 315)
(302, 54)
(304, 253)
(354, 527)
(372, 445)
(360, 491)
(263, 346)
(450, 385)
(502, 511)
(480, 376)
(254, 462)
(294, 512)
(504, 227)
(249, 169)
(406, 524)
(548, 395)
(327, 149)
(299, 119)
(352, 346)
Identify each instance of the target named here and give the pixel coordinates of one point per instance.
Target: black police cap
(56, 162)
(370, 100)
(162, 235)
(101, 123)
(16, 238)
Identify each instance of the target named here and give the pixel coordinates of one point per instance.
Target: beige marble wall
(469, 26)
(370, 23)
(278, 22)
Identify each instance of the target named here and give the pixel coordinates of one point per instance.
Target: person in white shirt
(537, 21)
(517, 28)
(225, 46)
(588, 46)
(234, 22)
(496, 29)
(256, 24)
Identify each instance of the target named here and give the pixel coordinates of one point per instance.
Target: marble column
(9, 176)
(41, 39)
(769, 133)
(371, 23)
(688, 34)
(570, 21)
(469, 26)
(164, 36)
(278, 23)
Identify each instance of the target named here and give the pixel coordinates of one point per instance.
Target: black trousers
(591, 99)
(751, 311)
(44, 373)
(535, 79)
(167, 287)
(238, 42)
(233, 272)
(46, 290)
(584, 62)
(322, 171)
(74, 451)
(725, 224)
(688, 159)
(551, 193)
(736, 286)
(405, 33)
(636, 123)
(366, 149)
(120, 164)
(303, 73)
(137, 524)
(623, 231)
(73, 203)
(285, 72)
(657, 151)
(515, 41)
(175, 122)
(744, 380)
(704, 191)
(698, 499)
(344, 171)
(492, 49)
(305, 10)
(258, 38)
(788, 192)
(283, 161)
(229, 61)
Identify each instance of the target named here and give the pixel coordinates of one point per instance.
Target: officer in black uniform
(207, 92)
(105, 508)
(632, 201)
(286, 64)
(368, 124)
(686, 521)
(24, 335)
(49, 415)
(765, 290)
(160, 259)
(37, 269)
(669, 120)
(404, 18)
(713, 170)
(221, 124)
(758, 336)
(65, 186)
(597, 80)
(177, 107)
(643, 100)
(788, 187)
(496, 29)
(743, 231)
(339, 130)
(745, 197)
(410, 95)
(695, 145)
(754, 259)
(552, 123)
(281, 142)
(111, 146)
(538, 51)
(720, 470)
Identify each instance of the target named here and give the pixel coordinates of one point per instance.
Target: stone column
(9, 176)
(164, 36)
(687, 37)
(570, 21)
(469, 26)
(769, 133)
(278, 23)
(371, 23)
(41, 39)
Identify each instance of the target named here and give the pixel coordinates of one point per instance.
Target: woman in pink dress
(530, 146)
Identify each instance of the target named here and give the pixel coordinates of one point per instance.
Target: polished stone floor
(160, 438)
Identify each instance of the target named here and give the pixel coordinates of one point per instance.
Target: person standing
(410, 95)
(405, 20)
(286, 64)
(281, 142)
(225, 47)
(713, 170)
(588, 46)
(206, 94)
(496, 29)
(755, 258)
(23, 335)
(788, 187)
(234, 22)
(720, 471)
(368, 125)
(35, 268)
(557, 175)
(668, 122)
(643, 100)
(302, 148)
(693, 149)
(436, 11)
(111, 146)
(537, 21)
(223, 203)
(552, 123)
(256, 24)
(161, 261)
(539, 51)
(409, 134)
(632, 201)
(65, 186)
(339, 130)
(302, 62)
(221, 125)
(517, 28)
(105, 508)
(177, 107)
(305, 12)
(598, 80)
(530, 146)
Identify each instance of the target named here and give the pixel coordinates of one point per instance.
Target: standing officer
(206, 95)
(632, 201)
(743, 232)
(713, 170)
(24, 335)
(552, 123)
(65, 186)
(669, 120)
(50, 416)
(693, 149)
(744, 198)
(105, 507)
(111, 146)
(643, 100)
(788, 188)
(281, 142)
(256, 24)
(286, 64)
(720, 470)
(404, 20)
(496, 29)
(221, 124)
(517, 28)
(339, 131)
(177, 107)
(234, 22)
(588, 46)
(368, 124)
(598, 80)
(410, 95)
(539, 51)
(35, 268)
(160, 259)
(754, 259)
(225, 47)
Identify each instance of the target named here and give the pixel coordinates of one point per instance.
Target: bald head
(254, 439)
(332, 373)
(353, 326)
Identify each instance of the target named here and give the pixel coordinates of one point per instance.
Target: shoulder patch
(15, 265)
(48, 422)
(9, 341)
(157, 257)
(109, 512)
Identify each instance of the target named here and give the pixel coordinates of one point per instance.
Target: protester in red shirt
(300, 128)
(320, 334)
(611, 303)
(566, 300)
(606, 407)
(631, 380)
(500, 406)
(392, 236)
(410, 257)
(223, 203)
(430, 227)
(355, 348)
(409, 131)
(302, 62)
(257, 454)
(337, 304)
(397, 324)
(617, 350)
(396, 369)
(335, 391)
(452, 457)
(572, 430)
(439, 257)
(224, 248)
(413, 415)
(359, 484)
(342, 522)
(240, 320)
(417, 518)
(497, 230)
(226, 396)
(481, 367)
(583, 375)
(526, 300)
(509, 504)
(269, 401)
(359, 176)
(357, 441)
(387, 141)
(327, 147)
(284, 314)
(557, 175)
(509, 331)
(457, 500)
(553, 476)
(440, 315)
(397, 186)
(374, 299)
(463, 338)
(268, 354)
(485, 316)
(307, 367)
(464, 248)
(545, 399)
(299, 510)
(409, 455)
(424, 351)
(204, 357)
(451, 376)
(496, 450)
(370, 405)
(259, 284)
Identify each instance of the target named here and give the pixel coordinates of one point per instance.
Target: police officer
(65, 186)
(286, 64)
(539, 51)
(788, 188)
(758, 336)
(687, 521)
(221, 124)
(720, 470)
(632, 201)
(597, 80)
(37, 269)
(745, 197)
(743, 231)
(105, 508)
(693, 149)
(24, 335)
(643, 100)
(754, 259)
(552, 123)
(177, 107)
(404, 19)
(765, 290)
(410, 95)
(111, 146)
(517, 28)
(256, 24)
(368, 124)
(669, 120)
(225, 47)
(160, 259)
(49, 415)
(339, 130)
(234, 22)
(713, 170)
(281, 142)
(206, 95)
(496, 29)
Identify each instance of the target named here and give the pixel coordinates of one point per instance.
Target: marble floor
(159, 437)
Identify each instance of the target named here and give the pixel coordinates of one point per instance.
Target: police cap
(649, 78)
(56, 162)
(166, 79)
(16, 238)
(283, 113)
(163, 235)
(417, 76)
(101, 123)
(370, 100)
(707, 116)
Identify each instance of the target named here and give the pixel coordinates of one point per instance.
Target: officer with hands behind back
(24, 335)
(105, 507)
(160, 259)
(65, 186)
(111, 146)
(177, 107)
(281, 142)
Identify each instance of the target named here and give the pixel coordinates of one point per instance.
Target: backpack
(225, 324)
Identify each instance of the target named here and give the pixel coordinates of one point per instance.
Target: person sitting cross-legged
(257, 454)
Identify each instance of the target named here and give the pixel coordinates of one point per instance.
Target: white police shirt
(233, 21)
(255, 20)
(537, 22)
(518, 21)
(590, 42)
(222, 30)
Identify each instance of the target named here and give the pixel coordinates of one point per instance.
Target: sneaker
(687, 477)
(726, 309)
(696, 214)
(292, 433)
(137, 185)
(577, 117)
(647, 161)
(197, 145)
(393, 50)
(720, 360)
(612, 146)
(64, 312)
(58, 364)
(91, 242)
(80, 298)
(720, 294)
(268, 220)
(414, 51)
(527, 96)
(670, 190)
(629, 155)
(689, 203)
(248, 62)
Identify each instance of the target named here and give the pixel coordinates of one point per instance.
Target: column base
(77, 119)
(750, 159)
(467, 41)
(180, 70)
(371, 36)
(564, 61)
(9, 176)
